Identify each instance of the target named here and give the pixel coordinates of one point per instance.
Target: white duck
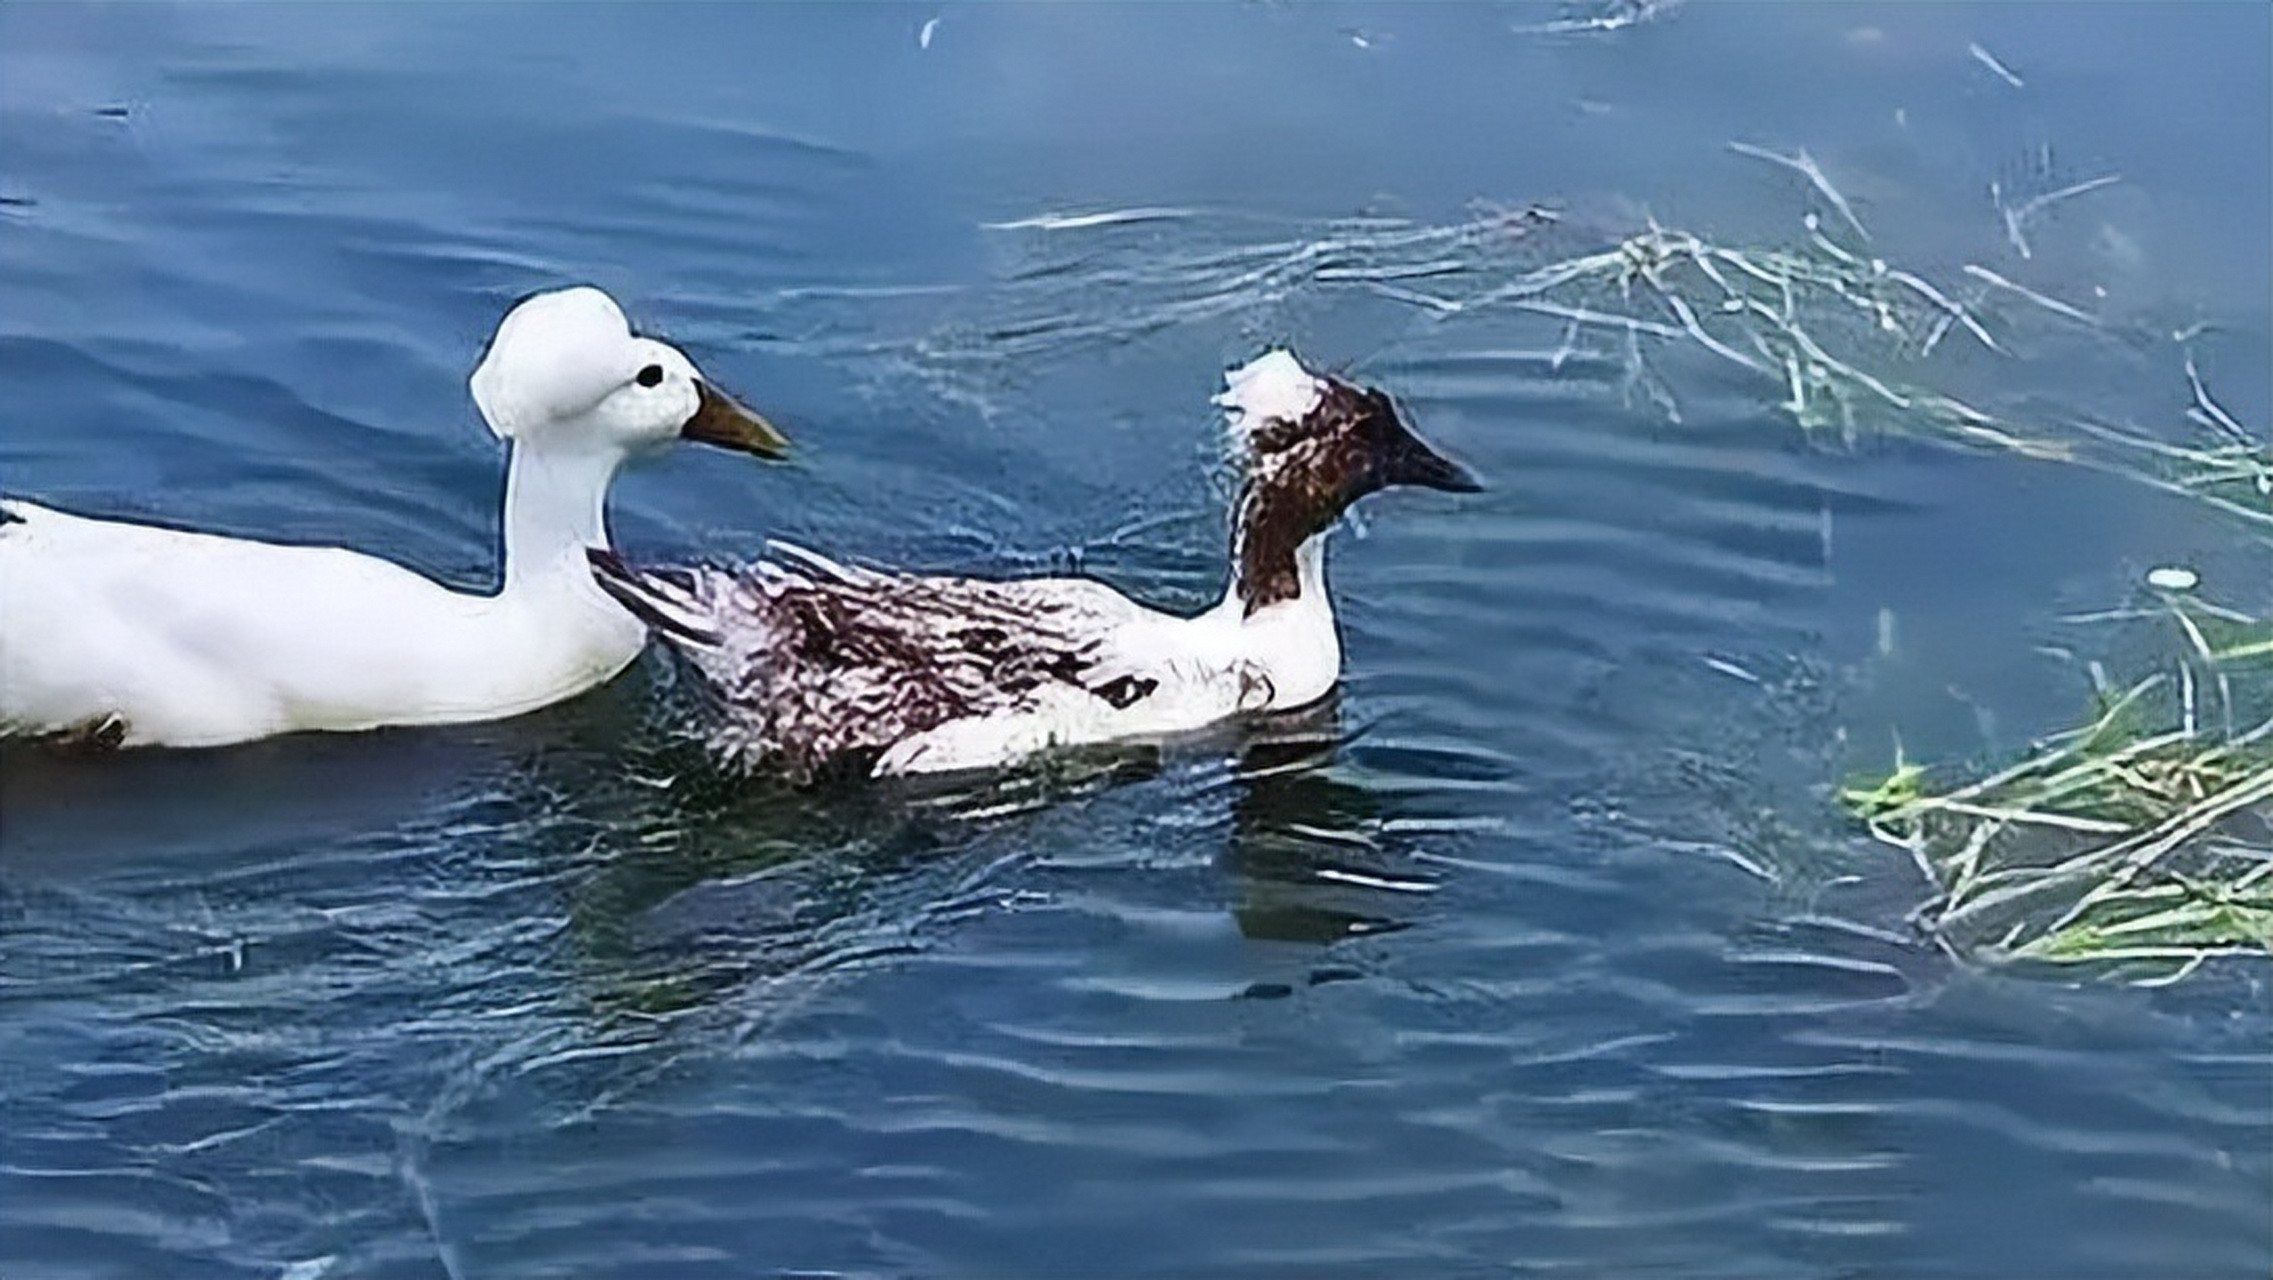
(131, 634)
(814, 666)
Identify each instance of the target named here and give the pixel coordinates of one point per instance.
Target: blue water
(1541, 951)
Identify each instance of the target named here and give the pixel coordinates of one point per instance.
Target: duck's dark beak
(1400, 457)
(723, 421)
(1413, 462)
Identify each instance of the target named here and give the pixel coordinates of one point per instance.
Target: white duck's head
(566, 371)
(1313, 444)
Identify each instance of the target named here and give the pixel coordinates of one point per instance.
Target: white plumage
(135, 634)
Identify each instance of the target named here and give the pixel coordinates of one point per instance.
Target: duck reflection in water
(712, 885)
(1310, 845)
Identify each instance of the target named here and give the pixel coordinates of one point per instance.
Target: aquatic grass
(2139, 843)
(2136, 844)
(1847, 340)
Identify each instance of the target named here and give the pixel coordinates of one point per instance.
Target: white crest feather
(1273, 387)
(555, 355)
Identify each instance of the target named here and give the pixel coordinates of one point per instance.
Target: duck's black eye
(650, 376)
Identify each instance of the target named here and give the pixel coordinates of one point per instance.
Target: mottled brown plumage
(813, 667)
(822, 666)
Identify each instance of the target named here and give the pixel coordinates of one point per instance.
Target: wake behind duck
(816, 666)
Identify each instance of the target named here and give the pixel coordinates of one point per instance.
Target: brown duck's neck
(1265, 572)
(1278, 543)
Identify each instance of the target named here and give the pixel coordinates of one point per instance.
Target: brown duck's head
(1314, 444)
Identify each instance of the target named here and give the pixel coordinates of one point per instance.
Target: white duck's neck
(550, 632)
(555, 506)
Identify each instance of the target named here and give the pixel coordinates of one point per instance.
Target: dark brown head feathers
(1303, 473)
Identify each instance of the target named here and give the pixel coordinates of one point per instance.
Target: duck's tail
(670, 601)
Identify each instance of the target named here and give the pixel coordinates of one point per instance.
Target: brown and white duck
(816, 666)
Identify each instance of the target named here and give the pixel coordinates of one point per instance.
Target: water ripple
(1539, 949)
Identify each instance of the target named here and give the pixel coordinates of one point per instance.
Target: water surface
(1540, 951)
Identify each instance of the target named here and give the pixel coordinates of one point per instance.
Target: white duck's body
(813, 664)
(134, 634)
(191, 639)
